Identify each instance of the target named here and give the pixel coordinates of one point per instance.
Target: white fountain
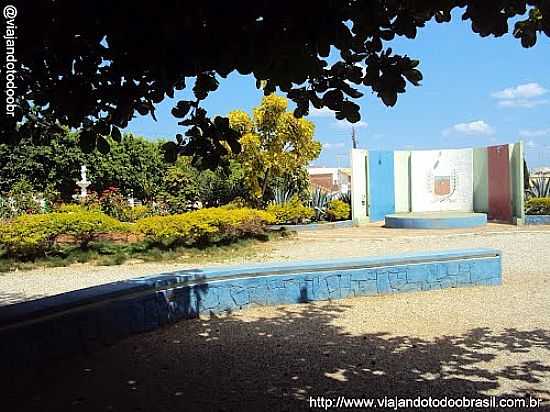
(83, 183)
(131, 200)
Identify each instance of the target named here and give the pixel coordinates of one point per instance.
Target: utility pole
(353, 137)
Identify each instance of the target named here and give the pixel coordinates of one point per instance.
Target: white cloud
(329, 146)
(531, 144)
(525, 103)
(524, 95)
(534, 132)
(478, 127)
(523, 91)
(344, 124)
(322, 112)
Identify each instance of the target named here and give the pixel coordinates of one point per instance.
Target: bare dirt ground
(474, 342)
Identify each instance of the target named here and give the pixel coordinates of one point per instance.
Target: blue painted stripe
(406, 221)
(537, 219)
(381, 184)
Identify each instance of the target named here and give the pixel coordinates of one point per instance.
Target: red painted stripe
(500, 193)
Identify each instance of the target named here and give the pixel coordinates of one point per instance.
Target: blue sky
(476, 92)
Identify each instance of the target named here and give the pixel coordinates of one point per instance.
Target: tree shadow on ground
(278, 362)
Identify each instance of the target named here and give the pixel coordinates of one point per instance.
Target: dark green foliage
(186, 188)
(112, 203)
(109, 253)
(19, 200)
(222, 185)
(134, 165)
(295, 182)
(100, 63)
(181, 186)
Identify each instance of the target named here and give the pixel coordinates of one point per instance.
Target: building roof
(329, 170)
(541, 170)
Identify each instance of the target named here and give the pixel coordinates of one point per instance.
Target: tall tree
(275, 144)
(135, 165)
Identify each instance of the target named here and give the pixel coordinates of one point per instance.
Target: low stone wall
(537, 219)
(80, 321)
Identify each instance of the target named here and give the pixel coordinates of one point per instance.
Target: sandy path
(523, 247)
(475, 342)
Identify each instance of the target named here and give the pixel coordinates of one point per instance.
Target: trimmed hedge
(538, 206)
(30, 236)
(338, 210)
(292, 212)
(204, 226)
(35, 235)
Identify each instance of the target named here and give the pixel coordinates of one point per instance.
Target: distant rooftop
(540, 170)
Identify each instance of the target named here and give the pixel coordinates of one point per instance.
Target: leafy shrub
(71, 208)
(181, 186)
(205, 226)
(19, 200)
(237, 203)
(538, 206)
(86, 225)
(113, 203)
(35, 235)
(292, 211)
(133, 214)
(338, 210)
(222, 185)
(91, 201)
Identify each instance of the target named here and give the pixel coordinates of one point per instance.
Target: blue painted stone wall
(537, 219)
(34, 332)
(274, 290)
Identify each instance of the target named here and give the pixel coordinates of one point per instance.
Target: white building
(540, 171)
(332, 179)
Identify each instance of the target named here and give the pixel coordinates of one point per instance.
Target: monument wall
(485, 180)
(442, 180)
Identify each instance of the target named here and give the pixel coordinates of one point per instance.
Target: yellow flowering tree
(274, 143)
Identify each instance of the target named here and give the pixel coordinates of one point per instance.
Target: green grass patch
(110, 254)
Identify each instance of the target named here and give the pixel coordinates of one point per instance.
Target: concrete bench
(81, 320)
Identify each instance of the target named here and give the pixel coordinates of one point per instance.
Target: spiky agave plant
(282, 195)
(539, 187)
(345, 197)
(318, 201)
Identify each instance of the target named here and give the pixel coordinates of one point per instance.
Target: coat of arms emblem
(442, 185)
(442, 179)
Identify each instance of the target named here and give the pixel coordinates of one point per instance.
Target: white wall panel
(442, 180)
